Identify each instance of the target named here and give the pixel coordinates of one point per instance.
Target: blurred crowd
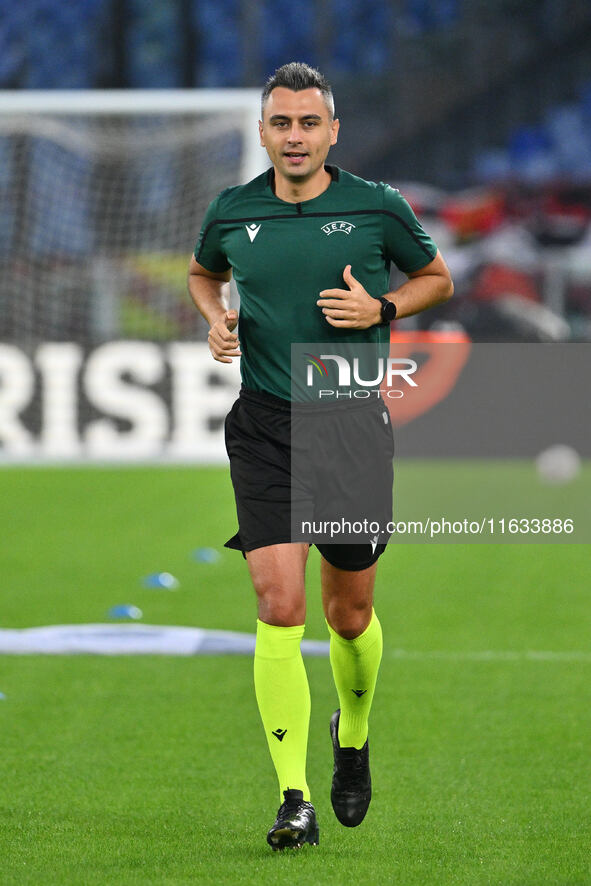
(520, 256)
(200, 43)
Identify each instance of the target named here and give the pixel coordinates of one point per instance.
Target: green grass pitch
(154, 770)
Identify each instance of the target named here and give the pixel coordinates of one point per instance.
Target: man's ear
(261, 134)
(335, 131)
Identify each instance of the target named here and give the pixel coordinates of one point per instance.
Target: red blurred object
(557, 215)
(429, 336)
(474, 213)
(497, 280)
(444, 356)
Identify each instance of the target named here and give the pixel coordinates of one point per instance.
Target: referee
(310, 247)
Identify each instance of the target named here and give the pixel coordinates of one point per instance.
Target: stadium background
(128, 770)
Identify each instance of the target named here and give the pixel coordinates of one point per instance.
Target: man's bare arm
(211, 295)
(425, 288)
(354, 308)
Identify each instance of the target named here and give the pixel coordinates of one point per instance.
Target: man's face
(297, 132)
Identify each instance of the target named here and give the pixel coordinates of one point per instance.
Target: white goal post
(244, 103)
(102, 194)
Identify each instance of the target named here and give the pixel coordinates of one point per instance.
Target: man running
(310, 247)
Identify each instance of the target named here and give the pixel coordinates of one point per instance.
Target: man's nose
(295, 134)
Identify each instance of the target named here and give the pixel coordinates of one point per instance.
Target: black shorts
(301, 474)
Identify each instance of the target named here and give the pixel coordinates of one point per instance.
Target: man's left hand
(352, 308)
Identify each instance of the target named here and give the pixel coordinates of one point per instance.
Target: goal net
(102, 195)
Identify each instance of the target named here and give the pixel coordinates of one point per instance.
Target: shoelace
(352, 767)
(291, 806)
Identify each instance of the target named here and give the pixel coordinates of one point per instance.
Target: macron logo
(252, 230)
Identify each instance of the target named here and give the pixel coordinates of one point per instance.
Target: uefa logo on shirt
(337, 227)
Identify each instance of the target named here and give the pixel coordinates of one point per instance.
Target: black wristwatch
(388, 312)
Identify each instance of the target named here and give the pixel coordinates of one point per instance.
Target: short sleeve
(208, 251)
(406, 243)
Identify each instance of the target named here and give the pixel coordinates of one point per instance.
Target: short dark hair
(297, 76)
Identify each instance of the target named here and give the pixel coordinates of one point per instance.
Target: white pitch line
(491, 655)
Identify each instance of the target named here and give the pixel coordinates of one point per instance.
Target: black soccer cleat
(351, 779)
(295, 825)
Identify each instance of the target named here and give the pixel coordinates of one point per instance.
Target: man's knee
(277, 607)
(279, 603)
(277, 574)
(348, 618)
(347, 597)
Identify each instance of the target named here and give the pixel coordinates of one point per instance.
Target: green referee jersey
(283, 255)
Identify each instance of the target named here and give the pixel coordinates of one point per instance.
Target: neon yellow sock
(355, 664)
(283, 697)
